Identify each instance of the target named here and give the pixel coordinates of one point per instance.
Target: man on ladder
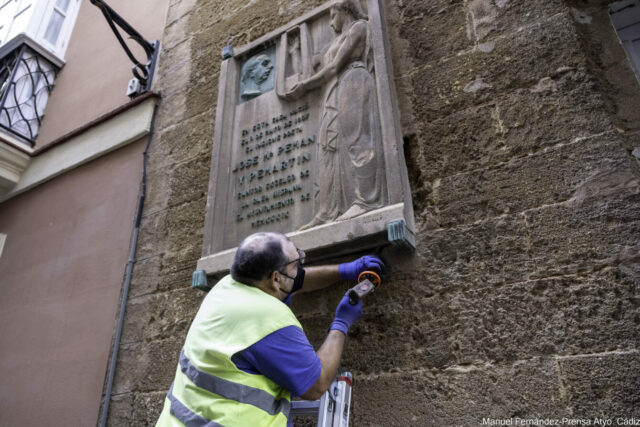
(246, 353)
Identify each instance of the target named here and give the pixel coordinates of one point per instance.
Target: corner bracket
(200, 281)
(227, 52)
(399, 234)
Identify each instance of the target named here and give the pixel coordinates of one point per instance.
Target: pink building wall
(61, 273)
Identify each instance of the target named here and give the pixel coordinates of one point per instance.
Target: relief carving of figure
(351, 179)
(255, 72)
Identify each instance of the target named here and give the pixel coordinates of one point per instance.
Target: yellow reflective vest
(208, 389)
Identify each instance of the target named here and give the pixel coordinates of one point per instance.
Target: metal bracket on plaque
(227, 52)
(399, 234)
(200, 281)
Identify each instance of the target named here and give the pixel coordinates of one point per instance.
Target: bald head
(258, 256)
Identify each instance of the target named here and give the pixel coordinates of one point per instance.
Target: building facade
(521, 127)
(71, 144)
(520, 121)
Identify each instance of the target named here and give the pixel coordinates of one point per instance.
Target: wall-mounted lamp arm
(144, 73)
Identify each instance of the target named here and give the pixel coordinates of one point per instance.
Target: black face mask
(297, 281)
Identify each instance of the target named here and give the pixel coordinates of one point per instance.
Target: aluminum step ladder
(332, 409)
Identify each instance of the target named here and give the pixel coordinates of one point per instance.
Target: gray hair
(258, 256)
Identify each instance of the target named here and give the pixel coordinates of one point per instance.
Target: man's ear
(274, 280)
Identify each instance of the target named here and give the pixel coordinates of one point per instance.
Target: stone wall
(522, 297)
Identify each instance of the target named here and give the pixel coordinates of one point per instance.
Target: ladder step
(305, 407)
(332, 409)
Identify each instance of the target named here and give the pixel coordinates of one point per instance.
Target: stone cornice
(13, 163)
(95, 141)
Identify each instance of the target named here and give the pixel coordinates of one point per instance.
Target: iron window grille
(26, 81)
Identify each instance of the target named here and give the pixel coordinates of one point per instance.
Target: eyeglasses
(301, 257)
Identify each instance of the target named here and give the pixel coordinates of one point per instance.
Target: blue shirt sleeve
(286, 357)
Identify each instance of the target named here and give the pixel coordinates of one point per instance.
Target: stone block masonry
(522, 299)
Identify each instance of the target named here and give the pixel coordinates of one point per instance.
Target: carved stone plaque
(307, 138)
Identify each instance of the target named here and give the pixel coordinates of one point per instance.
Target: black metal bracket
(144, 73)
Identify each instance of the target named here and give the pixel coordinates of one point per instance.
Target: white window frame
(41, 12)
(65, 31)
(16, 9)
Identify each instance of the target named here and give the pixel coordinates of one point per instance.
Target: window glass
(6, 13)
(53, 29)
(62, 5)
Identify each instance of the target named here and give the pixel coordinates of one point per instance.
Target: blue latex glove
(351, 270)
(346, 315)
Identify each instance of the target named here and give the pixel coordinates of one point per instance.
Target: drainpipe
(127, 280)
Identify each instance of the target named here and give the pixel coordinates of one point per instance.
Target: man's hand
(346, 315)
(351, 270)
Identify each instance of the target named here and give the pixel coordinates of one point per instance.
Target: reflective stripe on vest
(232, 317)
(233, 391)
(186, 415)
